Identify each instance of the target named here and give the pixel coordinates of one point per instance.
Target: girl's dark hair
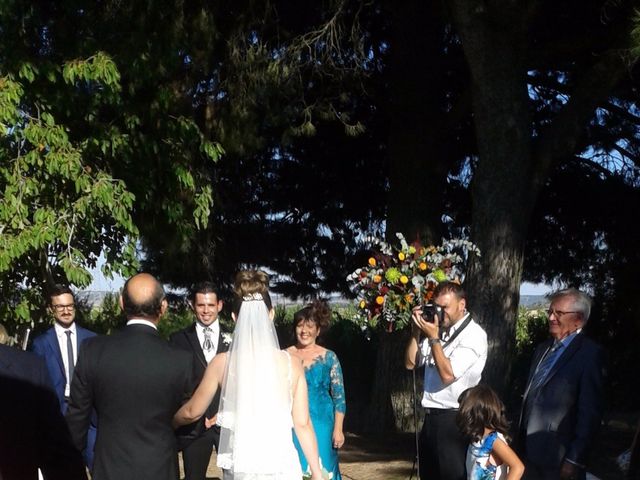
(480, 408)
(317, 312)
(248, 282)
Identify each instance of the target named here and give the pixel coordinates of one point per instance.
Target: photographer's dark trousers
(443, 450)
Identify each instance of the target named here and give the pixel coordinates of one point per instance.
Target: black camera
(429, 312)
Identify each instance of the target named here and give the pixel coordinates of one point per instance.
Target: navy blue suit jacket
(567, 409)
(46, 345)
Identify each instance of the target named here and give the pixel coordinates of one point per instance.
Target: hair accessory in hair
(252, 297)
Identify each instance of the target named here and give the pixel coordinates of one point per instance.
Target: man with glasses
(453, 351)
(564, 398)
(59, 347)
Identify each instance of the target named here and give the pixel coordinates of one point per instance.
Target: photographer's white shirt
(467, 354)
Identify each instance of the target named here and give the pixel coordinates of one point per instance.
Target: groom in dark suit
(564, 399)
(203, 339)
(136, 382)
(59, 347)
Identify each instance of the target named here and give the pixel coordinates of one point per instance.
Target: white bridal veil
(255, 405)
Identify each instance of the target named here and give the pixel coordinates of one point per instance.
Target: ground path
(390, 457)
(365, 458)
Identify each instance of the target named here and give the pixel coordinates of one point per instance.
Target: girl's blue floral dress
(480, 466)
(326, 396)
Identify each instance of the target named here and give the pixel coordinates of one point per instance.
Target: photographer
(453, 351)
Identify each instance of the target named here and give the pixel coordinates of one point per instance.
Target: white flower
(226, 338)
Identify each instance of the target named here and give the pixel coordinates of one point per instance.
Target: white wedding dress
(256, 440)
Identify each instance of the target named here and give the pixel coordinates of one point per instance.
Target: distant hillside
(92, 298)
(529, 301)
(95, 297)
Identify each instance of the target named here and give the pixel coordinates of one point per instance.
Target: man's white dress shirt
(467, 354)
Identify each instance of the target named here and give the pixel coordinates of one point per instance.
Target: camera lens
(429, 312)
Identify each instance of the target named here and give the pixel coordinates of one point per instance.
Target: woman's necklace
(309, 354)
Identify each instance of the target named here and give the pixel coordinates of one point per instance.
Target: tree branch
(622, 112)
(560, 138)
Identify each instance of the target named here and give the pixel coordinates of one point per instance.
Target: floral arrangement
(226, 338)
(398, 278)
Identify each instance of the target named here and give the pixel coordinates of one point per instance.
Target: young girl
(481, 418)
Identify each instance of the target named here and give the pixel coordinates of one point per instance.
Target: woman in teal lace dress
(324, 380)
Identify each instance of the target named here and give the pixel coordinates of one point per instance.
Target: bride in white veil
(264, 395)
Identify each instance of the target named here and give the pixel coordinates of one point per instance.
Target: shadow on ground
(391, 456)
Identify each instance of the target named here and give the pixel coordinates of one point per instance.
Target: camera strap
(457, 332)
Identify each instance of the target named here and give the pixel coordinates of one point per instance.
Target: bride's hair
(251, 282)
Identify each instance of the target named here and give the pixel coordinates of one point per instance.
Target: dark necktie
(540, 375)
(544, 366)
(70, 355)
(207, 345)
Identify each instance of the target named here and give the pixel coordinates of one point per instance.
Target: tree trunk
(509, 173)
(494, 43)
(392, 400)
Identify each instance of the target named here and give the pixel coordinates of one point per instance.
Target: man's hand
(210, 422)
(568, 471)
(431, 330)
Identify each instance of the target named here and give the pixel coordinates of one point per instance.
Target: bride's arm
(202, 397)
(302, 423)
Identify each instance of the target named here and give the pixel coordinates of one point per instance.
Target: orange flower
(408, 297)
(404, 279)
(377, 278)
(372, 261)
(379, 299)
(422, 266)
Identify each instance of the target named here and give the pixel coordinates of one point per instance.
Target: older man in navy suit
(564, 399)
(59, 347)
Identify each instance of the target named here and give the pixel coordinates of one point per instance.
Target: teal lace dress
(326, 396)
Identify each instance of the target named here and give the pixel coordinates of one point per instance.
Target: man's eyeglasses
(558, 313)
(61, 308)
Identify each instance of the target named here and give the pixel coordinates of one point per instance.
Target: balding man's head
(143, 297)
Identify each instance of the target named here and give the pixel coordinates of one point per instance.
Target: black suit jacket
(136, 382)
(566, 412)
(33, 433)
(187, 339)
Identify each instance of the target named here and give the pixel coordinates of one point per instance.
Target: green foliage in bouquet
(400, 277)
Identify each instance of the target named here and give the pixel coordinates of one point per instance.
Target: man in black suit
(564, 399)
(33, 433)
(136, 382)
(203, 339)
